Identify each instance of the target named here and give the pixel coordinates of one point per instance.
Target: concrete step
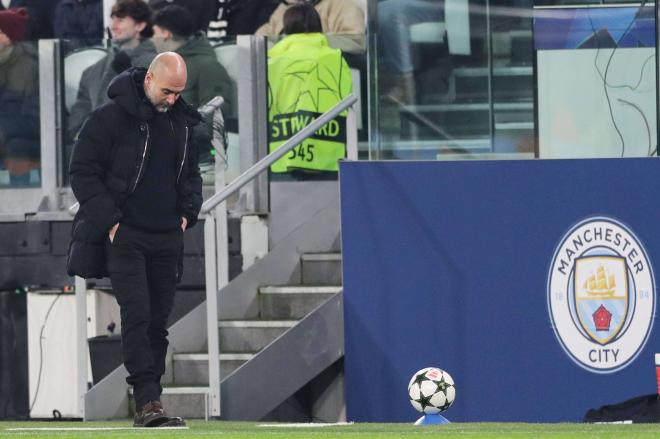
(188, 397)
(184, 301)
(321, 269)
(193, 369)
(292, 302)
(250, 335)
(187, 402)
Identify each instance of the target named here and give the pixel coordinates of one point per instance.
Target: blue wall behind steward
(446, 264)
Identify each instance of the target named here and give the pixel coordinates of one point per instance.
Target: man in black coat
(135, 173)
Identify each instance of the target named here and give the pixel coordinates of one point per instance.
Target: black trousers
(142, 267)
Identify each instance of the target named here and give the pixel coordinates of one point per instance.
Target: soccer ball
(431, 390)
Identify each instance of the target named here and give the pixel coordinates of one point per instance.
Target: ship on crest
(600, 284)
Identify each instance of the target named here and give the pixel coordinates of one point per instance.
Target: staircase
(281, 308)
(281, 329)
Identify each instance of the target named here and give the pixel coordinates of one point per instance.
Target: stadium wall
(476, 267)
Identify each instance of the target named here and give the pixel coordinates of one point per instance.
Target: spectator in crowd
(40, 12)
(130, 29)
(174, 31)
(394, 20)
(344, 18)
(238, 17)
(207, 78)
(19, 78)
(80, 21)
(202, 11)
(305, 79)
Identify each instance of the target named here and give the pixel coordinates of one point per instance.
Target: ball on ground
(431, 390)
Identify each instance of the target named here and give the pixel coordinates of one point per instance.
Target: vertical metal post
(253, 118)
(489, 60)
(81, 343)
(216, 259)
(107, 9)
(206, 406)
(222, 250)
(50, 120)
(351, 135)
(373, 88)
(222, 236)
(210, 266)
(354, 118)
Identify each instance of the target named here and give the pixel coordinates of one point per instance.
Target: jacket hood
(310, 41)
(127, 91)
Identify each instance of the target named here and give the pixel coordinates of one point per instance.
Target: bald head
(169, 63)
(165, 80)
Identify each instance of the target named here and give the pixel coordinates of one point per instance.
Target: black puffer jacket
(108, 161)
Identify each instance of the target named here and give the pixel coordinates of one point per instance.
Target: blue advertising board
(530, 282)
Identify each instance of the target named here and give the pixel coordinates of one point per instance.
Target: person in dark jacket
(80, 21)
(134, 172)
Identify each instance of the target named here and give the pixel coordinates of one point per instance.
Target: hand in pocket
(113, 232)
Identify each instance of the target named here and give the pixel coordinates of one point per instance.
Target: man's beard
(161, 108)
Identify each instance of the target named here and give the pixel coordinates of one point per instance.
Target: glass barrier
(432, 82)
(485, 79)
(212, 71)
(453, 79)
(596, 76)
(20, 154)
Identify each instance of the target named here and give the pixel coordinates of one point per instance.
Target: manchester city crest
(601, 295)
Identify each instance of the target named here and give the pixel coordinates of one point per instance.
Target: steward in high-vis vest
(305, 79)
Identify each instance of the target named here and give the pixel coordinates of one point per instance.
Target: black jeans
(142, 267)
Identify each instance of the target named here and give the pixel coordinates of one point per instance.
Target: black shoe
(151, 415)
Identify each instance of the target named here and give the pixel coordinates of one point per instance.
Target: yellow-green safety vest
(305, 79)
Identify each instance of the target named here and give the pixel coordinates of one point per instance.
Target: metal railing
(271, 158)
(215, 241)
